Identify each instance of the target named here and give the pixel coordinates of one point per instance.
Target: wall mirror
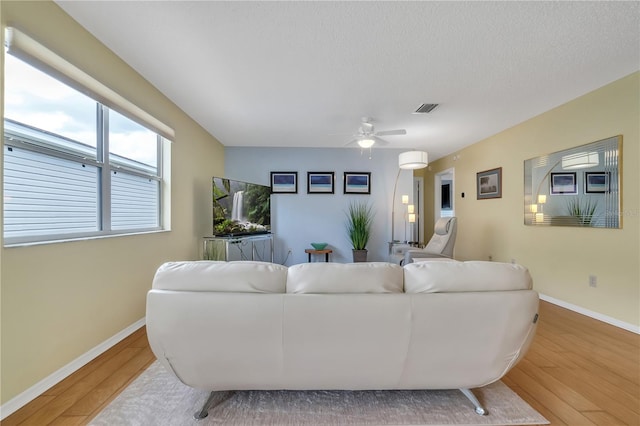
(575, 187)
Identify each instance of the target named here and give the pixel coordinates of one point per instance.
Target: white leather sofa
(224, 326)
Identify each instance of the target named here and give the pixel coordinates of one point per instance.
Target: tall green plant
(582, 211)
(359, 222)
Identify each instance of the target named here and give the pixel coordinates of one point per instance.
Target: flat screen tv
(240, 208)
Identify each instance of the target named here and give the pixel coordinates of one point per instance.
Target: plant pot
(359, 255)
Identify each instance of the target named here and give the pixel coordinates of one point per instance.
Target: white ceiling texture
(295, 74)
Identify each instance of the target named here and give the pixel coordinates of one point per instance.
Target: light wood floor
(578, 371)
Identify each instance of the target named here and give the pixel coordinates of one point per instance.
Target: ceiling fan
(367, 136)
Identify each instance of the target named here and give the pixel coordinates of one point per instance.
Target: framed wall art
(596, 182)
(320, 182)
(563, 183)
(489, 184)
(284, 182)
(357, 182)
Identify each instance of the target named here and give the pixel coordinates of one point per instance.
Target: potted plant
(359, 222)
(582, 211)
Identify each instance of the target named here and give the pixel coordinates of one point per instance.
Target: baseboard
(36, 390)
(595, 315)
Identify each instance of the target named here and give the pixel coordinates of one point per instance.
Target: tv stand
(245, 247)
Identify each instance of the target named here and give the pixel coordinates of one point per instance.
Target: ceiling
(302, 74)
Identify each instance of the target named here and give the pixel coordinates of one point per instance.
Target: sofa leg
(479, 408)
(209, 404)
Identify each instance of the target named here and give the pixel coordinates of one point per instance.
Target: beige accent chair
(440, 245)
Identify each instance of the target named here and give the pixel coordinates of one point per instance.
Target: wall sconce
(539, 217)
(405, 199)
(542, 199)
(411, 209)
(534, 208)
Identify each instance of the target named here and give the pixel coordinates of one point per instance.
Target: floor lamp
(410, 160)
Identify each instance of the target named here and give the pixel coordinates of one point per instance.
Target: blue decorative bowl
(319, 246)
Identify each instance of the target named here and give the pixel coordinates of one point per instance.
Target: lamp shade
(413, 160)
(581, 160)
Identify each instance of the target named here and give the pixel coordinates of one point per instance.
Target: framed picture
(320, 182)
(563, 183)
(489, 184)
(357, 182)
(596, 182)
(284, 182)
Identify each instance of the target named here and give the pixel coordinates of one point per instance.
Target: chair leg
(479, 408)
(221, 396)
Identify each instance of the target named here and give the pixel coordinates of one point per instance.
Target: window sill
(87, 238)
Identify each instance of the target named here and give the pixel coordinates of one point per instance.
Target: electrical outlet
(593, 281)
(513, 261)
(290, 251)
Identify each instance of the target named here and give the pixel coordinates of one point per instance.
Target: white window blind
(29, 50)
(134, 201)
(48, 196)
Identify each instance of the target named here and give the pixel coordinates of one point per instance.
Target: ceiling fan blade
(380, 142)
(391, 132)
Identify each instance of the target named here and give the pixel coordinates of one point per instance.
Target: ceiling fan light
(366, 142)
(413, 160)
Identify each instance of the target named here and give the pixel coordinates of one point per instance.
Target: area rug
(157, 398)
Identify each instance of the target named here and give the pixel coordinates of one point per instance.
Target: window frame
(106, 166)
(103, 190)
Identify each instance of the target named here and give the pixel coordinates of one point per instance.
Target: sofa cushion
(444, 277)
(237, 277)
(365, 277)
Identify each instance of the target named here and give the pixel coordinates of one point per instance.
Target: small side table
(326, 253)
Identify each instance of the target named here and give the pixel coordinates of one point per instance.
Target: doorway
(444, 194)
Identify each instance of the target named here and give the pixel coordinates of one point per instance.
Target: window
(73, 166)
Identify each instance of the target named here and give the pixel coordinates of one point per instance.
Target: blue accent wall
(300, 219)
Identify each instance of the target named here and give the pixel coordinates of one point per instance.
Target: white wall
(300, 219)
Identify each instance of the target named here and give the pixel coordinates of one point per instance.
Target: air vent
(425, 108)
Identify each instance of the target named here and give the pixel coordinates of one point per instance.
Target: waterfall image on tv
(240, 208)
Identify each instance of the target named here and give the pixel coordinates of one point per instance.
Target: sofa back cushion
(237, 277)
(366, 277)
(444, 277)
